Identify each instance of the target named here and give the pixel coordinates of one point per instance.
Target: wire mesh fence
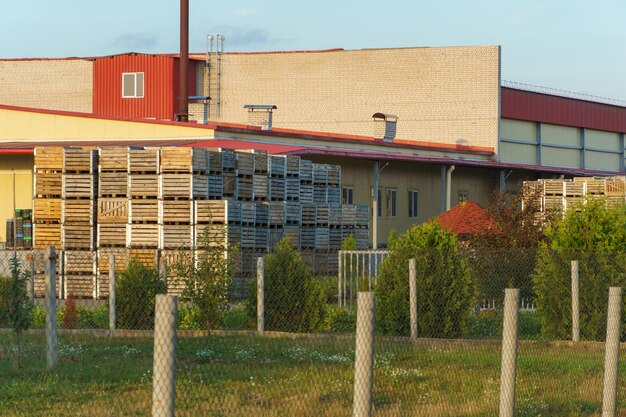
(181, 335)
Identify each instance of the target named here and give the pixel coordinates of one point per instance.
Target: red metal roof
(545, 108)
(466, 218)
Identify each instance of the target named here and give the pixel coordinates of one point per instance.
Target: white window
(413, 199)
(132, 84)
(462, 196)
(347, 195)
(391, 202)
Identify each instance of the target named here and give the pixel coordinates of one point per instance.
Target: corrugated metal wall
(15, 174)
(160, 100)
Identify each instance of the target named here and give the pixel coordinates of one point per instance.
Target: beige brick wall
(447, 94)
(48, 84)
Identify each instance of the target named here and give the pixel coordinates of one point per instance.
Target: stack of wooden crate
(47, 184)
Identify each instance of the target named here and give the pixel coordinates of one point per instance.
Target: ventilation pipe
(183, 105)
(449, 186)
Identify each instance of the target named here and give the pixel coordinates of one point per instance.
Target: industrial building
(426, 127)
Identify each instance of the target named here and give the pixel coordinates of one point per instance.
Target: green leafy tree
(19, 305)
(136, 292)
(208, 279)
(595, 235)
(445, 291)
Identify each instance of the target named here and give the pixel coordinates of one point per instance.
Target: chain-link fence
(436, 334)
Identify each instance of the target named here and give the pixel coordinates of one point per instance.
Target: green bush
(93, 318)
(445, 291)
(38, 319)
(5, 300)
(136, 292)
(189, 317)
(237, 318)
(488, 325)
(338, 320)
(595, 235)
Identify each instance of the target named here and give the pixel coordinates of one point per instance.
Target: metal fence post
(112, 301)
(364, 354)
(260, 295)
(575, 303)
(611, 356)
(164, 361)
(509, 353)
(52, 353)
(413, 296)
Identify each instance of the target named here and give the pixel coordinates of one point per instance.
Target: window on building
(462, 196)
(391, 202)
(413, 204)
(132, 84)
(347, 195)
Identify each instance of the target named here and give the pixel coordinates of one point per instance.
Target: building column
(376, 179)
(449, 187)
(443, 188)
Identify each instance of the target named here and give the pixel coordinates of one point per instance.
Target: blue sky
(572, 45)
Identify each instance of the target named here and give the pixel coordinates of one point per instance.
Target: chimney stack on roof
(260, 115)
(385, 126)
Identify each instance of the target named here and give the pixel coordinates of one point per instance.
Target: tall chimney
(183, 106)
(385, 126)
(260, 115)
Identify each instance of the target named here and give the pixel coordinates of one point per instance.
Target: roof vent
(260, 115)
(385, 126)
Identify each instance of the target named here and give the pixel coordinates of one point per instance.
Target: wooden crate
(48, 234)
(214, 158)
(234, 212)
(362, 215)
(553, 187)
(230, 186)
(48, 159)
(244, 189)
(306, 193)
(615, 187)
(552, 202)
(309, 214)
(245, 164)
(113, 184)
(188, 186)
(306, 171)
(179, 160)
(277, 213)
(248, 212)
(293, 233)
(277, 189)
(143, 185)
(78, 211)
(112, 235)
(169, 258)
(574, 188)
(348, 215)
(292, 189)
(78, 237)
(80, 160)
(320, 174)
(143, 160)
(261, 214)
(79, 262)
(319, 194)
(210, 211)
(47, 210)
(247, 237)
(292, 166)
(274, 236)
(121, 260)
(322, 215)
(335, 214)
(79, 186)
(260, 187)
(596, 186)
(177, 236)
(48, 185)
(261, 235)
(260, 162)
(333, 195)
(335, 238)
(334, 175)
(276, 166)
(113, 210)
(177, 211)
(227, 160)
(143, 211)
(233, 235)
(307, 237)
(215, 187)
(80, 286)
(143, 235)
(113, 159)
(362, 238)
(292, 213)
(148, 257)
(213, 235)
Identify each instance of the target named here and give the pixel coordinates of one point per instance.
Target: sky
(571, 45)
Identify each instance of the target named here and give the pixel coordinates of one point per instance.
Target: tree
(208, 278)
(595, 235)
(445, 291)
(136, 293)
(20, 305)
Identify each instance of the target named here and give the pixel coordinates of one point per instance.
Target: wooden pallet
(79, 186)
(78, 211)
(293, 233)
(244, 189)
(261, 187)
(362, 238)
(188, 186)
(333, 195)
(47, 210)
(245, 164)
(320, 174)
(277, 189)
(79, 262)
(179, 160)
(348, 215)
(48, 185)
(104, 254)
(112, 235)
(113, 159)
(248, 212)
(307, 237)
(292, 189)
(309, 214)
(213, 235)
(306, 193)
(48, 159)
(214, 157)
(260, 162)
(177, 211)
(143, 211)
(210, 211)
(261, 214)
(276, 166)
(334, 175)
(148, 257)
(292, 213)
(247, 237)
(306, 171)
(319, 194)
(143, 236)
(227, 159)
(292, 166)
(113, 184)
(78, 237)
(322, 214)
(169, 258)
(362, 215)
(47, 235)
(230, 186)
(215, 187)
(234, 212)
(274, 236)
(177, 236)
(261, 236)
(335, 238)
(277, 213)
(335, 214)
(143, 185)
(113, 210)
(143, 160)
(80, 160)
(80, 286)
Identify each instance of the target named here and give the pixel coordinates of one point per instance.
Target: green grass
(277, 376)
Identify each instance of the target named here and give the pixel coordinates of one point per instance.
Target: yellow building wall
(443, 94)
(16, 187)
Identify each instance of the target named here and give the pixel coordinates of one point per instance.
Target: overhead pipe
(183, 105)
(449, 186)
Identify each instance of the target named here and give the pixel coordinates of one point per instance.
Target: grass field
(279, 376)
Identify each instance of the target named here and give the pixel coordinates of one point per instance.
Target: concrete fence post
(164, 361)
(32, 278)
(575, 303)
(611, 356)
(509, 353)
(340, 276)
(260, 295)
(52, 352)
(112, 295)
(413, 296)
(364, 354)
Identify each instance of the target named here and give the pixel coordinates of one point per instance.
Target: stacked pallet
(47, 189)
(562, 194)
(19, 230)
